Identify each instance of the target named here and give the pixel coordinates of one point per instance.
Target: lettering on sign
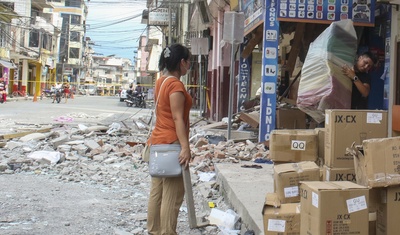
(303, 193)
(343, 217)
(345, 177)
(345, 119)
(298, 145)
(397, 197)
(268, 119)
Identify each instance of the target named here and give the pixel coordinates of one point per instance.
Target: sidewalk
(245, 189)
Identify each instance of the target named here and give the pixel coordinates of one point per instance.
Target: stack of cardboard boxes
(348, 191)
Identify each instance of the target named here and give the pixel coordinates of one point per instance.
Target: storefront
(303, 21)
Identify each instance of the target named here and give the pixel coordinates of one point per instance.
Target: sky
(114, 26)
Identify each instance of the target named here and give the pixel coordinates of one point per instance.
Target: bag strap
(158, 95)
(155, 107)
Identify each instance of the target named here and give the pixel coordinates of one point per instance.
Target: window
(34, 38)
(74, 53)
(73, 3)
(74, 36)
(75, 19)
(46, 41)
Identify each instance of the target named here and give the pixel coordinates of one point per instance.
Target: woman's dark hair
(171, 57)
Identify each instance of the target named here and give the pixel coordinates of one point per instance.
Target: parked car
(122, 95)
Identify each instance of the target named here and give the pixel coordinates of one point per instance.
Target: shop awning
(7, 64)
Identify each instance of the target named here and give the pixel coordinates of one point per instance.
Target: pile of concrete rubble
(110, 155)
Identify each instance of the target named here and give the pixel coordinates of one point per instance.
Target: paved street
(44, 111)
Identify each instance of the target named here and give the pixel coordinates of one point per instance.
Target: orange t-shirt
(164, 131)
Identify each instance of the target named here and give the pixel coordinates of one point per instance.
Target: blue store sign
(244, 80)
(362, 12)
(269, 71)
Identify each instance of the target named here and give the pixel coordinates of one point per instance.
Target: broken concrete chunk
(110, 160)
(75, 142)
(98, 158)
(82, 127)
(114, 127)
(92, 144)
(33, 136)
(64, 148)
(201, 142)
(59, 140)
(80, 148)
(77, 137)
(96, 128)
(13, 144)
(52, 157)
(250, 145)
(226, 219)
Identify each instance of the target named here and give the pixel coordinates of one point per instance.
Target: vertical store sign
(244, 79)
(269, 71)
(386, 73)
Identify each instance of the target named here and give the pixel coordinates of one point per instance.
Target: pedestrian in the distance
(171, 127)
(66, 91)
(4, 80)
(3, 89)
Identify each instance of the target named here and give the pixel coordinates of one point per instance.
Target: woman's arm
(177, 103)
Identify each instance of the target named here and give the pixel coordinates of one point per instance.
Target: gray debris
(110, 156)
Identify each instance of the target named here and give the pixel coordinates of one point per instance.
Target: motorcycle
(58, 94)
(137, 100)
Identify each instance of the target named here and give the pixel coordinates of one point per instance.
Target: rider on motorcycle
(54, 89)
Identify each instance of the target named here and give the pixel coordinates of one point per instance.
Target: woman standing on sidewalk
(66, 91)
(172, 127)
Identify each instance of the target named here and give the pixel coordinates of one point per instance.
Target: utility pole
(169, 24)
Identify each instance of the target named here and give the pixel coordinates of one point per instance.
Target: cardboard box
(280, 219)
(339, 174)
(330, 208)
(343, 127)
(377, 162)
(287, 179)
(388, 212)
(293, 145)
(290, 119)
(373, 205)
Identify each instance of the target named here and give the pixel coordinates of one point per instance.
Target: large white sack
(322, 83)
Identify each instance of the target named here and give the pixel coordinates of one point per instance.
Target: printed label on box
(298, 145)
(276, 225)
(375, 118)
(356, 204)
(315, 199)
(291, 191)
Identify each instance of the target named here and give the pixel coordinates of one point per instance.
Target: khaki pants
(166, 197)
